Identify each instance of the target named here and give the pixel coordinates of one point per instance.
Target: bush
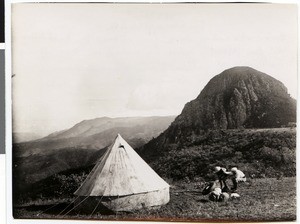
(269, 154)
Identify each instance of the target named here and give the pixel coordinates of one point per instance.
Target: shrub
(269, 154)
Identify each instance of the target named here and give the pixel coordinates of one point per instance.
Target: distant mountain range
(81, 145)
(146, 126)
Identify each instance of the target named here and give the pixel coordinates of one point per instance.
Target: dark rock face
(240, 97)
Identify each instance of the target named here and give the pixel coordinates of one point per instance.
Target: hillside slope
(80, 145)
(239, 98)
(97, 134)
(86, 128)
(258, 152)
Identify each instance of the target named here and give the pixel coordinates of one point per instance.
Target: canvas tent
(122, 181)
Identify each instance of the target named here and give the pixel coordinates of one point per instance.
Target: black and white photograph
(154, 111)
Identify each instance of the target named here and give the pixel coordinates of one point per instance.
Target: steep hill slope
(238, 98)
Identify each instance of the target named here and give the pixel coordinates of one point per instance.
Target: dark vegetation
(31, 169)
(58, 187)
(259, 153)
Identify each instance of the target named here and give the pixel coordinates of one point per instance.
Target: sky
(81, 61)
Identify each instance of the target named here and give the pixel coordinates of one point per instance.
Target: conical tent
(122, 181)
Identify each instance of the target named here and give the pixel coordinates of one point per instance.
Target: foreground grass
(265, 199)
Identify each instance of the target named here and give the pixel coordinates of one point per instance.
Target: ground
(264, 199)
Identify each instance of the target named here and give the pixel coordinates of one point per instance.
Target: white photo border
(8, 100)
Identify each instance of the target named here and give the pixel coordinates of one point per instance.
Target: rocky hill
(238, 98)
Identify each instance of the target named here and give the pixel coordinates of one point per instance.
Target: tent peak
(121, 164)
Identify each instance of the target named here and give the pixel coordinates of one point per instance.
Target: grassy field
(265, 199)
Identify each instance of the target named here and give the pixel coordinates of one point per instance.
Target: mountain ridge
(93, 126)
(41, 158)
